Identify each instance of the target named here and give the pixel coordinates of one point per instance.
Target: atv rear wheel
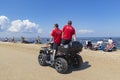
(77, 61)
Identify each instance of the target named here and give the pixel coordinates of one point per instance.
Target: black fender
(42, 51)
(65, 57)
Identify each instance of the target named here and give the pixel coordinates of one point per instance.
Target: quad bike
(67, 55)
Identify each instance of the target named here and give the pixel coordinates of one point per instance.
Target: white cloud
(23, 26)
(4, 23)
(40, 31)
(85, 31)
(18, 25)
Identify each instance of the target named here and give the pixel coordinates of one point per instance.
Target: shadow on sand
(85, 65)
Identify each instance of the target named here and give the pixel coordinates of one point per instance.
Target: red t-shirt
(57, 33)
(68, 31)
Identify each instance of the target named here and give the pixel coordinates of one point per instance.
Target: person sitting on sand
(98, 45)
(22, 39)
(109, 47)
(12, 39)
(38, 40)
(88, 45)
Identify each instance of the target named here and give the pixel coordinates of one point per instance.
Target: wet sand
(20, 62)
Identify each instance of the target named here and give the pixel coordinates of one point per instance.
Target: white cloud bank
(85, 31)
(18, 25)
(4, 23)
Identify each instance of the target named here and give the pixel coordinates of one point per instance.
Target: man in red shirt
(56, 36)
(67, 33)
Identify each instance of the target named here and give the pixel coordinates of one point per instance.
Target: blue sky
(91, 18)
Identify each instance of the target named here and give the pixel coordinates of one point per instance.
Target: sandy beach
(20, 62)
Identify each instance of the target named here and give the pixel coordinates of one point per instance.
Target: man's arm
(74, 37)
(51, 38)
(62, 35)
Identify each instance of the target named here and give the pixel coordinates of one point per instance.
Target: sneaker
(52, 63)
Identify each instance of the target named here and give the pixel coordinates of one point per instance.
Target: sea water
(80, 39)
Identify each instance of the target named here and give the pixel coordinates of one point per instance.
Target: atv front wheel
(61, 65)
(42, 59)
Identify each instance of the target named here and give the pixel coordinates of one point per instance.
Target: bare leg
(53, 57)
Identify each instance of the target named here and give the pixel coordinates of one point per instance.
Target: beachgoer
(56, 35)
(22, 39)
(12, 39)
(110, 41)
(38, 40)
(109, 47)
(99, 43)
(89, 45)
(67, 33)
(98, 46)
